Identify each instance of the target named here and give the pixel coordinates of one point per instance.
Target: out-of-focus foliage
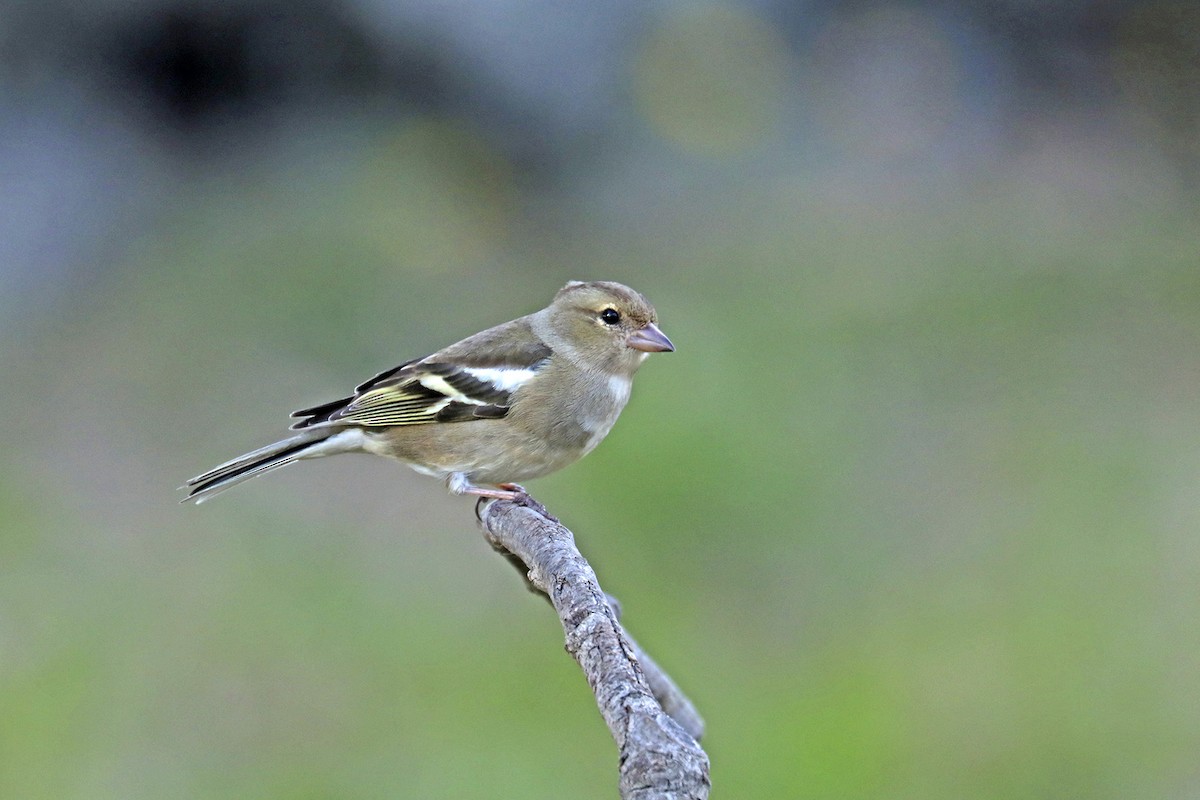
(911, 513)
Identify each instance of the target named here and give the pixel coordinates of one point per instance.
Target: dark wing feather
(463, 412)
(318, 414)
(322, 413)
(437, 388)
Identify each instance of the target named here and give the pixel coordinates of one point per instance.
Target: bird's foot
(523, 498)
(504, 491)
(459, 483)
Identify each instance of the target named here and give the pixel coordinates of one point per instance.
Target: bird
(506, 405)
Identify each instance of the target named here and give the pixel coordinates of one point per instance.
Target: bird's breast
(599, 416)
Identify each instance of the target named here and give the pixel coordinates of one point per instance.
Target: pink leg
(460, 484)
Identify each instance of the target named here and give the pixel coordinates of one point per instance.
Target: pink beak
(650, 340)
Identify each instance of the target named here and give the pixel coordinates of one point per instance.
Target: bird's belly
(483, 451)
(514, 467)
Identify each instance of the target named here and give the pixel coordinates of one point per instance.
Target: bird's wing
(458, 384)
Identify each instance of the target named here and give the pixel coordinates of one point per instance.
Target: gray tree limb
(659, 756)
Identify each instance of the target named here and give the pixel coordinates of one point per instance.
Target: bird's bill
(650, 340)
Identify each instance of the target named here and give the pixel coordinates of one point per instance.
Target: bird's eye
(610, 316)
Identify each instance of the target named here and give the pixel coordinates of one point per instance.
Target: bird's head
(608, 324)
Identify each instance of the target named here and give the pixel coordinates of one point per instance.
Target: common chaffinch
(511, 403)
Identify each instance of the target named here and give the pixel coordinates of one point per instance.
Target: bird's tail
(312, 443)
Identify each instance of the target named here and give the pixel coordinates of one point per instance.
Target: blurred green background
(911, 513)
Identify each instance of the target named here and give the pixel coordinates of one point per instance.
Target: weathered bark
(659, 756)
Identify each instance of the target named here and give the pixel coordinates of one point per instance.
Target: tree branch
(659, 758)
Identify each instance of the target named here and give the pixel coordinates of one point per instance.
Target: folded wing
(428, 391)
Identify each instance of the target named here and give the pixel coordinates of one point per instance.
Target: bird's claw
(523, 498)
(514, 493)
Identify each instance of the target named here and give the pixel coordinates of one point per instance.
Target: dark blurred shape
(191, 65)
(1156, 61)
(1057, 49)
